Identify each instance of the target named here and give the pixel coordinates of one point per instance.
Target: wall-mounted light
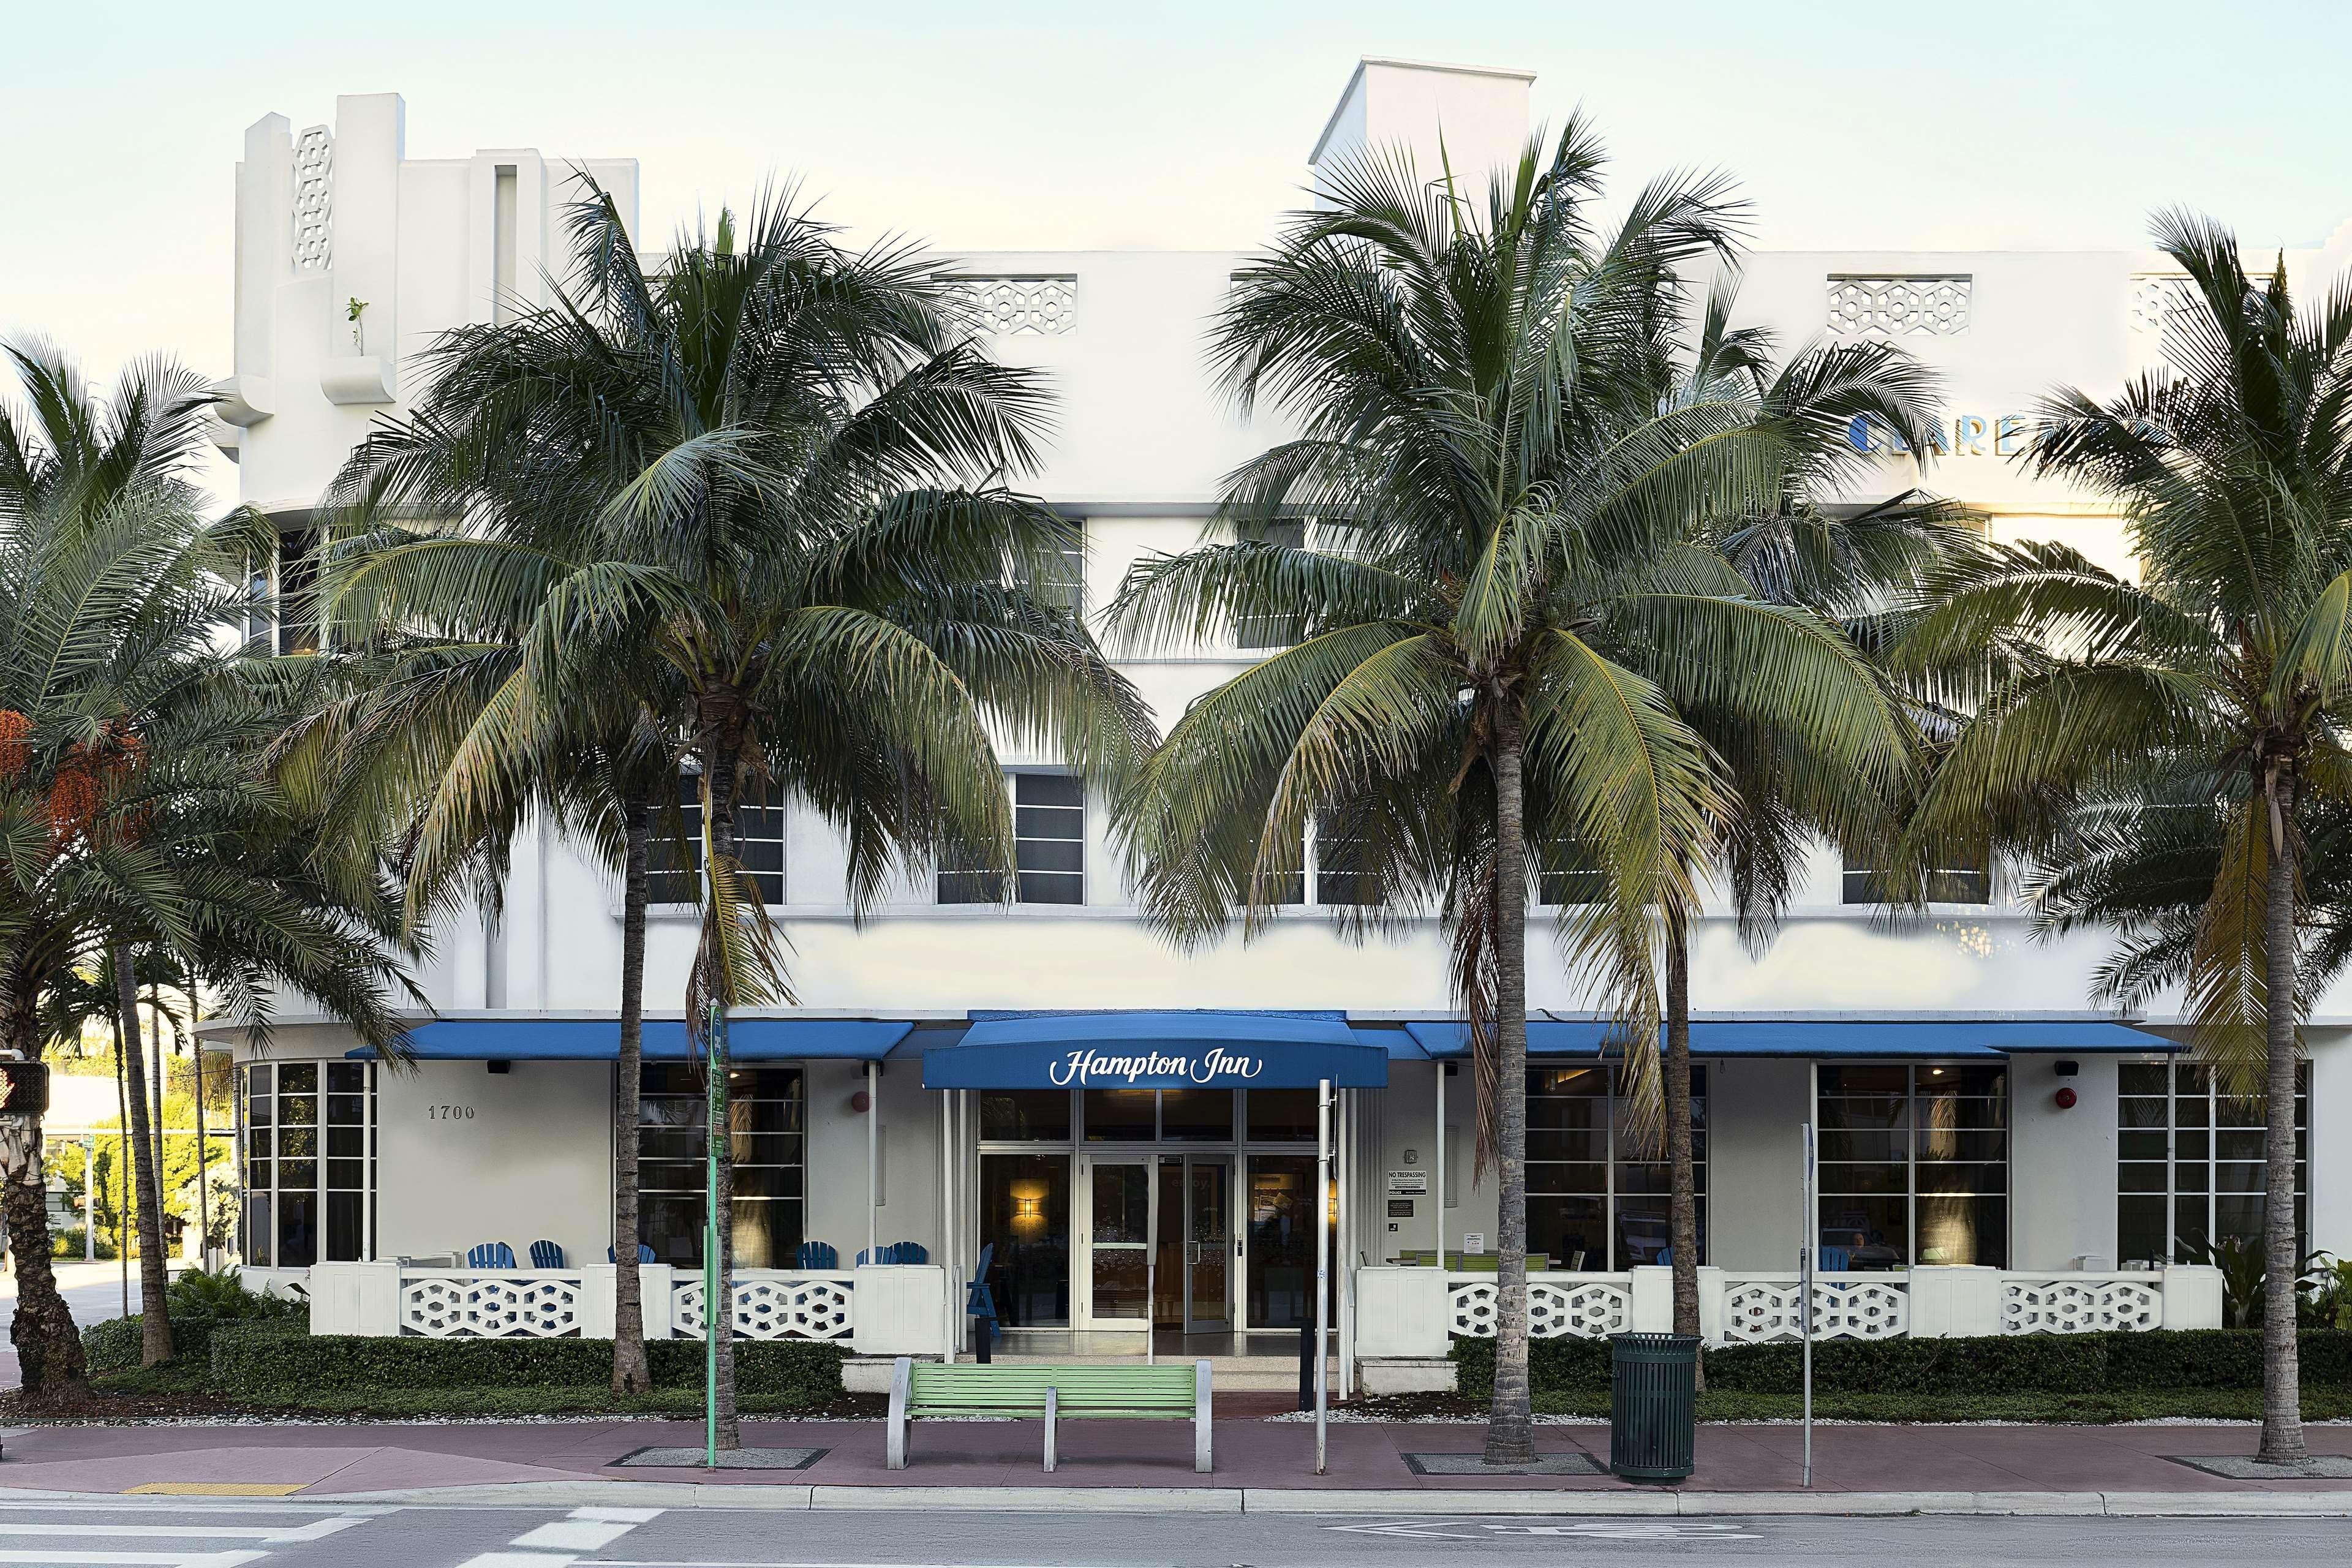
(1028, 1208)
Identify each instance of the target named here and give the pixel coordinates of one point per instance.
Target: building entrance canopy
(1162, 1050)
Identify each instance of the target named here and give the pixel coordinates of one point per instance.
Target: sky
(2051, 126)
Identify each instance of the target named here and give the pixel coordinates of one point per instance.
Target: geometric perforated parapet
(1557, 1308)
(314, 171)
(2079, 1305)
(772, 1307)
(1011, 306)
(1760, 1312)
(1895, 307)
(492, 1306)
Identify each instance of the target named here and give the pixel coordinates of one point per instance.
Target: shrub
(261, 1362)
(115, 1345)
(66, 1247)
(225, 1296)
(1989, 1366)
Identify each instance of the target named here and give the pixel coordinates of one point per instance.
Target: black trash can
(1653, 1406)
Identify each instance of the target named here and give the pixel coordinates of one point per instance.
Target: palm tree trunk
(48, 1349)
(630, 1372)
(154, 1311)
(2281, 1375)
(1682, 1205)
(722, 745)
(1510, 1420)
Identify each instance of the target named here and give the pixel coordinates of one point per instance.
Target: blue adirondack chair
(1836, 1260)
(546, 1255)
(490, 1255)
(817, 1255)
(898, 1253)
(980, 1304)
(645, 1254)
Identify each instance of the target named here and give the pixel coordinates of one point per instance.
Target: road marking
(215, 1489)
(138, 1559)
(197, 1504)
(573, 1534)
(198, 1531)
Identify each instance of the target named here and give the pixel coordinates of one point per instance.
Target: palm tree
(771, 470)
(130, 808)
(1852, 565)
(420, 747)
(1499, 610)
(2221, 681)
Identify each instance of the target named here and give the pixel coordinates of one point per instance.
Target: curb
(1395, 1504)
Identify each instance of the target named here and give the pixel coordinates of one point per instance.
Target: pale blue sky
(2051, 125)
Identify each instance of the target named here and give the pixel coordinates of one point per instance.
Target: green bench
(1105, 1391)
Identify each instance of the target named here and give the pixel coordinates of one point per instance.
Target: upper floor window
(282, 595)
(1953, 885)
(1049, 848)
(674, 873)
(1059, 580)
(1272, 628)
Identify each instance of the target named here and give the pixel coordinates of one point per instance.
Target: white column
(873, 1160)
(946, 1224)
(1440, 1182)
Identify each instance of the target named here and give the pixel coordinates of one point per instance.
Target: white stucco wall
(533, 1161)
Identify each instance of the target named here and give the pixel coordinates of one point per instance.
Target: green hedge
(114, 1345)
(2158, 1361)
(249, 1362)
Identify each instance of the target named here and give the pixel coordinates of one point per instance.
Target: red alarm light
(2065, 1099)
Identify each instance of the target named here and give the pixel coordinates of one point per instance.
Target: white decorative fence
(881, 1311)
(1407, 1313)
(770, 1305)
(488, 1304)
(1588, 1305)
(1759, 1309)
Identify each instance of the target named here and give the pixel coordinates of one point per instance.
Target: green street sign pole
(717, 1046)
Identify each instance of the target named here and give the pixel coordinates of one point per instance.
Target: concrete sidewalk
(1261, 1465)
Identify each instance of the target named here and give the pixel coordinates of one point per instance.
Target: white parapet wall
(1409, 1317)
(882, 1311)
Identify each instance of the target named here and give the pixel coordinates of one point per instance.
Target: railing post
(2193, 1297)
(654, 1283)
(1402, 1313)
(1710, 1304)
(599, 1309)
(1652, 1306)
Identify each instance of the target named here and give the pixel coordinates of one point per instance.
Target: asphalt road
(187, 1533)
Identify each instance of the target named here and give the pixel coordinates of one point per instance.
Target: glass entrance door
(1117, 1231)
(1278, 1273)
(1209, 1244)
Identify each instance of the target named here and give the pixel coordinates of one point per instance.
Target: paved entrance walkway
(348, 1459)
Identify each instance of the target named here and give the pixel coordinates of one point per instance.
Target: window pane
(1121, 1115)
(1197, 1115)
(1963, 1231)
(347, 1077)
(297, 1078)
(1566, 1227)
(344, 1235)
(1865, 1233)
(1277, 626)
(1024, 1212)
(1281, 1115)
(2140, 1229)
(767, 1233)
(298, 1228)
(1025, 1114)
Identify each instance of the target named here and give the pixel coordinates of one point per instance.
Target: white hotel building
(1995, 1157)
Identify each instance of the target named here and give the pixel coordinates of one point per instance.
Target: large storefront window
(1914, 1166)
(1597, 1193)
(2190, 1169)
(309, 1152)
(766, 1127)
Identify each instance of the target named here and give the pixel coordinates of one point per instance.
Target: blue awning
(599, 1039)
(1829, 1039)
(1158, 1050)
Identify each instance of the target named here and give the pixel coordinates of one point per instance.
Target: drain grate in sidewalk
(2245, 1468)
(1575, 1464)
(734, 1459)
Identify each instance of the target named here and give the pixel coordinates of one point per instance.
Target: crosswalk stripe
(137, 1559)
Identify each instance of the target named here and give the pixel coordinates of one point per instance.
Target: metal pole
(873, 1161)
(89, 1199)
(1322, 1268)
(711, 1325)
(1440, 1182)
(1347, 1158)
(1150, 1257)
(1805, 1295)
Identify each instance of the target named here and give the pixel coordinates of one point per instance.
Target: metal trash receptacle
(1652, 1406)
